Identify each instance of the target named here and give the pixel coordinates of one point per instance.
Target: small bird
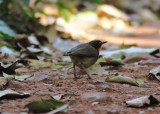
(85, 55)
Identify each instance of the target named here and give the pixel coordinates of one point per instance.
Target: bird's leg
(85, 71)
(75, 76)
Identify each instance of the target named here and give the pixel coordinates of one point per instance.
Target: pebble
(150, 108)
(101, 96)
(88, 86)
(158, 88)
(95, 103)
(141, 112)
(95, 95)
(90, 112)
(43, 77)
(126, 85)
(104, 86)
(113, 112)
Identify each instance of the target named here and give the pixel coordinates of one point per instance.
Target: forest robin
(85, 55)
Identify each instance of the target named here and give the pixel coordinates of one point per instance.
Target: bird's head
(97, 44)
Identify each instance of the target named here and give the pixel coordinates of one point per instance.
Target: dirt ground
(92, 96)
(88, 96)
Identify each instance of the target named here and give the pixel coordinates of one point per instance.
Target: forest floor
(91, 96)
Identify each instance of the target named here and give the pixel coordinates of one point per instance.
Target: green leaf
(5, 30)
(5, 36)
(124, 79)
(26, 2)
(36, 2)
(8, 75)
(55, 67)
(44, 106)
(22, 77)
(87, 14)
(109, 61)
(5, 6)
(65, 14)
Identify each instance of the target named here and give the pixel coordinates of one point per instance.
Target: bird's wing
(83, 50)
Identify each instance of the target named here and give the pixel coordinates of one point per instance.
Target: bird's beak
(104, 42)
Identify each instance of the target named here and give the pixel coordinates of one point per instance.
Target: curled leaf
(124, 79)
(38, 63)
(127, 53)
(154, 73)
(12, 94)
(109, 61)
(21, 77)
(44, 106)
(142, 101)
(96, 69)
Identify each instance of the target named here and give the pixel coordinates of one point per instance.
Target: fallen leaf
(66, 59)
(12, 94)
(22, 70)
(3, 82)
(58, 97)
(38, 63)
(51, 34)
(34, 50)
(96, 69)
(11, 52)
(33, 40)
(123, 54)
(11, 69)
(44, 106)
(106, 61)
(8, 75)
(6, 29)
(124, 79)
(22, 77)
(105, 10)
(47, 50)
(60, 109)
(155, 73)
(142, 101)
(55, 67)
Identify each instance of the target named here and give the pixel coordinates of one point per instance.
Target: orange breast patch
(100, 49)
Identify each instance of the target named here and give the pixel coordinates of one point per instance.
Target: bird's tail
(65, 54)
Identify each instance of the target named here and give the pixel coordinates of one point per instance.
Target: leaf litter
(60, 82)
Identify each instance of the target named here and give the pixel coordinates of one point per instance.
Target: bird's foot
(89, 76)
(76, 77)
